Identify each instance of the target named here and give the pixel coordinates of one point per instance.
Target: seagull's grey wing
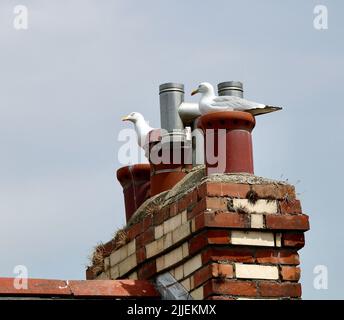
(235, 102)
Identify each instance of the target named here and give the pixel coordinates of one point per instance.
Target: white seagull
(211, 103)
(141, 126)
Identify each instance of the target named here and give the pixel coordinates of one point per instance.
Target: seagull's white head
(204, 88)
(133, 117)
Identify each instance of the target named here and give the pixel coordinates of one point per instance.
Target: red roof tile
(113, 288)
(80, 288)
(36, 287)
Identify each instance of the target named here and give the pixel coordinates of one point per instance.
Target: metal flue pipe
(231, 88)
(171, 96)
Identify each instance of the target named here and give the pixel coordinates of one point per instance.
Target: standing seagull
(141, 127)
(211, 103)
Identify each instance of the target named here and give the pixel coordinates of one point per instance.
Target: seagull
(211, 103)
(141, 127)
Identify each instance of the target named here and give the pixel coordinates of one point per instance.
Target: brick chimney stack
(224, 236)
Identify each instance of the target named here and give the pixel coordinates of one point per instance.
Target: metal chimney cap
(171, 86)
(230, 85)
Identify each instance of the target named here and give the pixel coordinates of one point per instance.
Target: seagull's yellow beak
(194, 92)
(125, 118)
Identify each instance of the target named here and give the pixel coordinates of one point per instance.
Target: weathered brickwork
(220, 241)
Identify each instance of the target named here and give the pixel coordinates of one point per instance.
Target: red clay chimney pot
(238, 126)
(135, 180)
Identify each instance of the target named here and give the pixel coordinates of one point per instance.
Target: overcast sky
(82, 64)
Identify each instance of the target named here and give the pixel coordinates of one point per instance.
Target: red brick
(198, 243)
(296, 240)
(173, 210)
(147, 270)
(267, 256)
(167, 213)
(159, 216)
(206, 255)
(290, 207)
(226, 219)
(275, 289)
(221, 220)
(200, 206)
(134, 230)
(141, 254)
(289, 257)
(230, 287)
(90, 273)
(228, 254)
(218, 236)
(202, 191)
(199, 222)
(216, 203)
(274, 191)
(223, 270)
(290, 273)
(194, 196)
(108, 248)
(236, 190)
(214, 189)
(277, 256)
(182, 204)
(145, 237)
(202, 275)
(147, 222)
(287, 222)
(187, 201)
(217, 189)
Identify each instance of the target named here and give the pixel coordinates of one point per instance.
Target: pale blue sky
(82, 64)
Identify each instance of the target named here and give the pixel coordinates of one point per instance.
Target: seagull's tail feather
(266, 109)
